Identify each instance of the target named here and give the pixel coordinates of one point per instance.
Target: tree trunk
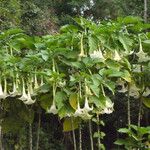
(145, 11)
(30, 136)
(38, 132)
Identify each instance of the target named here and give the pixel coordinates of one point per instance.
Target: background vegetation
(37, 18)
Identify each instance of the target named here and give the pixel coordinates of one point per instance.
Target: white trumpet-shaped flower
(29, 100)
(42, 82)
(134, 91)
(97, 55)
(143, 57)
(86, 106)
(123, 88)
(15, 91)
(53, 109)
(82, 54)
(31, 89)
(24, 94)
(3, 94)
(36, 86)
(147, 92)
(108, 109)
(83, 113)
(117, 56)
(88, 91)
(79, 111)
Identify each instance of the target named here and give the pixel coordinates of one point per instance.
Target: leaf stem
(91, 135)
(73, 134)
(98, 130)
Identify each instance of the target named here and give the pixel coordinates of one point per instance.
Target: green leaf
(124, 130)
(68, 126)
(126, 76)
(59, 99)
(92, 43)
(45, 101)
(73, 99)
(120, 142)
(110, 85)
(126, 42)
(146, 101)
(113, 64)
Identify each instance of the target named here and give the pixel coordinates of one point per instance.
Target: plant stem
(128, 106)
(91, 135)
(1, 145)
(80, 137)
(139, 114)
(73, 134)
(145, 11)
(140, 103)
(30, 136)
(38, 132)
(98, 130)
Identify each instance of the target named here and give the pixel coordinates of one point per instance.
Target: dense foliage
(77, 75)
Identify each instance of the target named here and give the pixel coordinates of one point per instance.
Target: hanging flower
(42, 82)
(79, 111)
(86, 106)
(88, 91)
(36, 86)
(52, 109)
(123, 88)
(108, 108)
(83, 113)
(29, 100)
(97, 55)
(134, 91)
(3, 94)
(24, 94)
(82, 54)
(15, 91)
(117, 57)
(143, 57)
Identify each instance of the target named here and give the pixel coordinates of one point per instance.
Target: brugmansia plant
(74, 74)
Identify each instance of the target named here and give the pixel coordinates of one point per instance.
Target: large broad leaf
(66, 110)
(73, 100)
(110, 85)
(126, 42)
(113, 64)
(98, 101)
(94, 89)
(120, 142)
(45, 101)
(68, 28)
(70, 124)
(126, 76)
(60, 99)
(146, 101)
(124, 130)
(93, 44)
